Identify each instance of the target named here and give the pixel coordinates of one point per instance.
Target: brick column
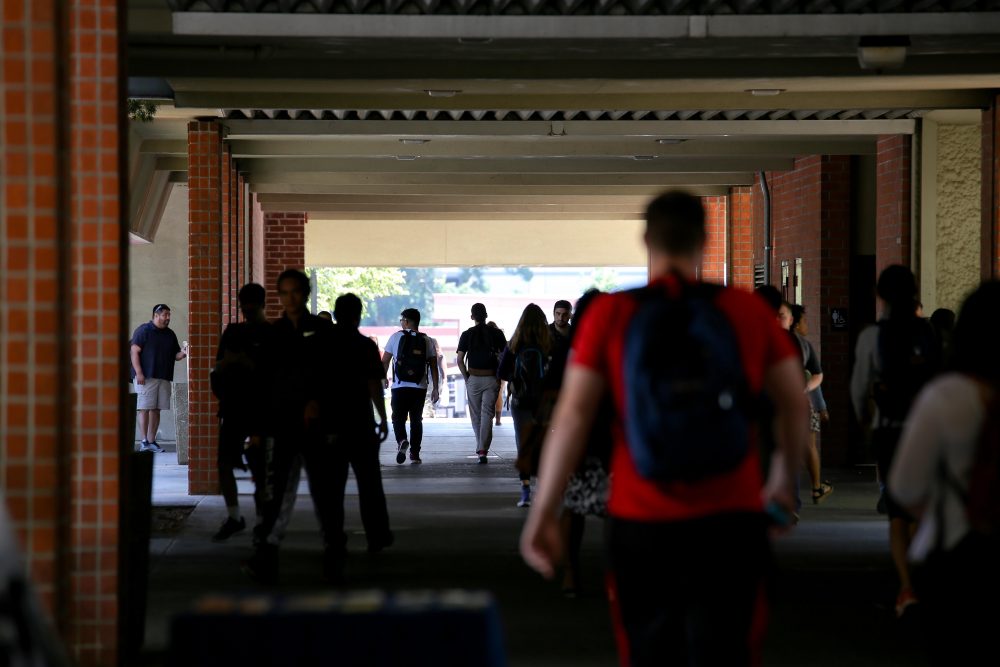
(63, 291)
(991, 192)
(713, 261)
(256, 229)
(892, 215)
(284, 248)
(205, 300)
(241, 232)
(741, 237)
(811, 212)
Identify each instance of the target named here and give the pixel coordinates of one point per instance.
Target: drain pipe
(767, 227)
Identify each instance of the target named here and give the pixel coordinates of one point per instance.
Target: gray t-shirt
(392, 347)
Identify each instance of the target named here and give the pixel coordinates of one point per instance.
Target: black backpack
(909, 356)
(411, 357)
(527, 383)
(687, 404)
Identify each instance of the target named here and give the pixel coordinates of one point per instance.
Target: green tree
(603, 279)
(369, 283)
(420, 285)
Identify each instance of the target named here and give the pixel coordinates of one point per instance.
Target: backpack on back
(909, 356)
(687, 404)
(527, 384)
(411, 357)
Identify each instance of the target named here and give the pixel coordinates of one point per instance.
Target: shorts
(814, 421)
(153, 395)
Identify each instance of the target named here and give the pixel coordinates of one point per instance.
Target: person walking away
(153, 349)
(413, 357)
(478, 355)
(946, 473)
(894, 359)
(678, 513)
(523, 365)
(241, 382)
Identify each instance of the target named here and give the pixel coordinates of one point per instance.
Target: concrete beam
(305, 182)
(452, 215)
(370, 27)
(172, 147)
(596, 202)
(253, 98)
(659, 165)
(544, 147)
(646, 191)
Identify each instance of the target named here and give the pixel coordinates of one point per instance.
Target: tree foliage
(368, 283)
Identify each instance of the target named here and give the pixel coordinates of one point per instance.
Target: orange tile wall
(62, 293)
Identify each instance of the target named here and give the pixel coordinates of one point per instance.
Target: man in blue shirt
(153, 351)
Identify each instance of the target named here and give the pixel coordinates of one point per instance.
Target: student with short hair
(413, 362)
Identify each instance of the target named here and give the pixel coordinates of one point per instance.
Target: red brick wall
(227, 240)
(811, 214)
(284, 248)
(741, 241)
(62, 295)
(205, 301)
(892, 215)
(991, 192)
(713, 263)
(241, 231)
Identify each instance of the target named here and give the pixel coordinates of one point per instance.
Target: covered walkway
(456, 525)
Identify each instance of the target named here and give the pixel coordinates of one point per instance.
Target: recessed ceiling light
(643, 157)
(475, 40)
(407, 157)
(670, 142)
(765, 92)
(442, 93)
(414, 142)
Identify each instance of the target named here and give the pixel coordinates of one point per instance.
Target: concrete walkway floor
(457, 525)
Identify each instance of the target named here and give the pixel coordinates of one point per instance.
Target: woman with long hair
(523, 365)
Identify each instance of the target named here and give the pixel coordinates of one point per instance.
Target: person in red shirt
(687, 558)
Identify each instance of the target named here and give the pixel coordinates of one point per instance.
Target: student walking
(478, 355)
(678, 514)
(414, 360)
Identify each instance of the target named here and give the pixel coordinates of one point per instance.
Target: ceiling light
(442, 93)
(643, 157)
(414, 142)
(884, 52)
(475, 40)
(407, 157)
(670, 142)
(765, 92)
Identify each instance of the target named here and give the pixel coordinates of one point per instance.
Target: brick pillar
(713, 261)
(741, 237)
(892, 215)
(63, 290)
(241, 232)
(227, 240)
(810, 212)
(991, 192)
(205, 300)
(284, 248)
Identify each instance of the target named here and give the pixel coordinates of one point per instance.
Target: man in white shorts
(153, 351)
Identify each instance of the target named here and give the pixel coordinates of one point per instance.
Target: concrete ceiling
(414, 110)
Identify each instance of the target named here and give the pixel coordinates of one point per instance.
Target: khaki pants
(482, 392)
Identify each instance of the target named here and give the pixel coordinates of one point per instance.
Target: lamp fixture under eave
(670, 142)
(442, 93)
(414, 142)
(643, 157)
(883, 52)
(407, 157)
(765, 92)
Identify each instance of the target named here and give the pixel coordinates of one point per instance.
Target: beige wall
(950, 209)
(474, 243)
(158, 273)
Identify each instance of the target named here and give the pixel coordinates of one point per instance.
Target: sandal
(821, 492)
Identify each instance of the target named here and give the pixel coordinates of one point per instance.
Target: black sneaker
(229, 528)
(262, 566)
(415, 455)
(384, 542)
(482, 457)
(401, 451)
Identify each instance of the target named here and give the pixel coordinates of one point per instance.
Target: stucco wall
(158, 273)
(958, 213)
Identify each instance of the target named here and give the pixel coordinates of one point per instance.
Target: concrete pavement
(457, 525)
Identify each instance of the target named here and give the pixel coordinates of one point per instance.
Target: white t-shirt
(392, 347)
(943, 425)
